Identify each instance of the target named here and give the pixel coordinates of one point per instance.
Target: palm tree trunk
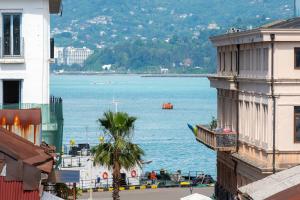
(116, 181)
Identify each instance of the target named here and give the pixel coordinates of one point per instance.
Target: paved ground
(156, 194)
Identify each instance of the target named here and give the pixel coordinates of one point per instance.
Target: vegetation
(213, 124)
(117, 151)
(63, 191)
(179, 55)
(135, 35)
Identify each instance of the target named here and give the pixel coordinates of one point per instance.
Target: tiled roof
(21, 149)
(24, 161)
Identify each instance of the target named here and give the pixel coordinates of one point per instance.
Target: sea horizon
(163, 135)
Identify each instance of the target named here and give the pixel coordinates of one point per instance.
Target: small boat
(61, 71)
(167, 106)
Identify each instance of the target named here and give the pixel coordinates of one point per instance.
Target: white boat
(95, 176)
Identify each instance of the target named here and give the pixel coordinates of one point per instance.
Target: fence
(192, 178)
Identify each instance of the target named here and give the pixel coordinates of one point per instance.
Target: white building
(25, 59)
(70, 55)
(25, 50)
(59, 55)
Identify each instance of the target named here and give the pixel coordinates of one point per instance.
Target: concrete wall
(284, 60)
(35, 30)
(285, 123)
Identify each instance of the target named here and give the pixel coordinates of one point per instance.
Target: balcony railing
(14, 55)
(216, 140)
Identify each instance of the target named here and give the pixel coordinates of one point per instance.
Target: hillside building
(70, 55)
(25, 56)
(258, 84)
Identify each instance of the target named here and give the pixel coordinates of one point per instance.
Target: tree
(117, 151)
(213, 124)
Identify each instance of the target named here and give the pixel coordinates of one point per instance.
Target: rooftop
(293, 23)
(256, 34)
(21, 160)
(275, 186)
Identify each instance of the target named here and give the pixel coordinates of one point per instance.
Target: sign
(67, 176)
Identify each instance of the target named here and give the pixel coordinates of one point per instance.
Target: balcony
(12, 56)
(223, 81)
(216, 140)
(52, 119)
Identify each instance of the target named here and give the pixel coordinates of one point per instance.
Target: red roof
(12, 190)
(21, 149)
(24, 161)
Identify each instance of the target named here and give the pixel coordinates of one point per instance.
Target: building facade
(25, 61)
(70, 55)
(257, 82)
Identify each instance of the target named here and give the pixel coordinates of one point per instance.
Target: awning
(23, 122)
(48, 196)
(196, 196)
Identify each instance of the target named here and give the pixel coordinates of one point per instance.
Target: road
(155, 194)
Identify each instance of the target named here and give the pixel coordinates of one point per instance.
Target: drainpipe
(274, 103)
(237, 106)
(237, 115)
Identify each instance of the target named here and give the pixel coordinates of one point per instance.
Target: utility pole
(296, 8)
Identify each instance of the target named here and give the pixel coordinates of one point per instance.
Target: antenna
(116, 103)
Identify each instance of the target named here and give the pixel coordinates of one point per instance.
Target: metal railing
(70, 162)
(12, 55)
(166, 181)
(220, 141)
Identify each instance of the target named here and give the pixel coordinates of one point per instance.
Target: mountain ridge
(143, 35)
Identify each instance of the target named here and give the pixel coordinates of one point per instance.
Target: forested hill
(143, 35)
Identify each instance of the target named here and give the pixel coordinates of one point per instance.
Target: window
(297, 58)
(11, 34)
(258, 59)
(266, 59)
(224, 61)
(220, 61)
(231, 55)
(248, 59)
(11, 92)
(297, 123)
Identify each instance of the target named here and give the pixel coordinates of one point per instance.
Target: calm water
(162, 134)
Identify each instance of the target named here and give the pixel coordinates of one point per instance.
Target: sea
(163, 134)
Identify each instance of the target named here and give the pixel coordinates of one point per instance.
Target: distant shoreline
(144, 75)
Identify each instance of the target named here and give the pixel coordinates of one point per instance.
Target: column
(1, 92)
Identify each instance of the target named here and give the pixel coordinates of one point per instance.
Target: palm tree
(117, 151)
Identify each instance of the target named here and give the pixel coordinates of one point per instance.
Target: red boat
(167, 106)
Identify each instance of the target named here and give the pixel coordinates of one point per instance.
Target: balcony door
(11, 43)
(11, 92)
